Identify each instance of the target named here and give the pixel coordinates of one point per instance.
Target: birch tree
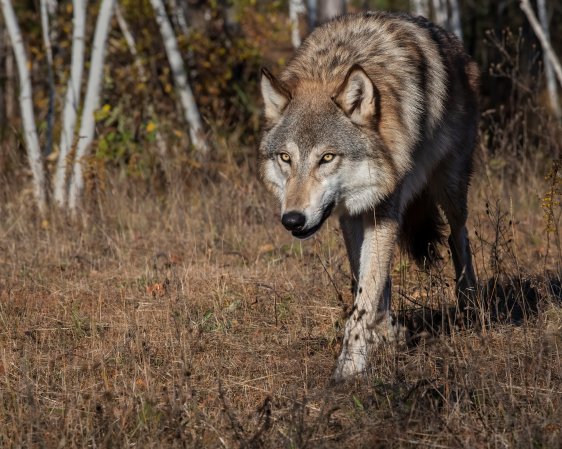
(296, 8)
(178, 14)
(548, 70)
(47, 8)
(420, 7)
(72, 99)
(183, 88)
(9, 97)
(26, 106)
(455, 18)
(447, 14)
(312, 13)
(328, 9)
(143, 77)
(545, 42)
(440, 14)
(91, 102)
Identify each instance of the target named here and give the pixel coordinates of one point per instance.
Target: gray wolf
(374, 120)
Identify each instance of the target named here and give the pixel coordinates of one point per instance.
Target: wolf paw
(349, 366)
(359, 342)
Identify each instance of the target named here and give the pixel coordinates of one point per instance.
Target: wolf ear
(275, 96)
(357, 96)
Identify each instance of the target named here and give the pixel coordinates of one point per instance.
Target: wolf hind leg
(453, 201)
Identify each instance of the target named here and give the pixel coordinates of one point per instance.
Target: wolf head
(321, 150)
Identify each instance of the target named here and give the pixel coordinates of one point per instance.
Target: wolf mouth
(303, 234)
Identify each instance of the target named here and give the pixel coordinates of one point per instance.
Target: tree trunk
(455, 22)
(72, 100)
(46, 13)
(143, 77)
(26, 105)
(9, 85)
(178, 15)
(440, 14)
(545, 43)
(296, 8)
(312, 13)
(420, 7)
(548, 71)
(3, 52)
(328, 9)
(183, 88)
(91, 102)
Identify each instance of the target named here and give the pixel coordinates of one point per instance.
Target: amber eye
(328, 157)
(285, 157)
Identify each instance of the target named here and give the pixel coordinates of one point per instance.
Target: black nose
(293, 221)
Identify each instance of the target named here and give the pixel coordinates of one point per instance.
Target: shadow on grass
(499, 301)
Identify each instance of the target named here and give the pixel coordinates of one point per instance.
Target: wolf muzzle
(296, 222)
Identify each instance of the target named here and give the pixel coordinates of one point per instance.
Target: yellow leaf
(150, 126)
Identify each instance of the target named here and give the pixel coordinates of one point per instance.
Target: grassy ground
(193, 320)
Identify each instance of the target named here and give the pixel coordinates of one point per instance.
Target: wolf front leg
(370, 322)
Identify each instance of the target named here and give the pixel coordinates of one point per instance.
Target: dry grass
(193, 320)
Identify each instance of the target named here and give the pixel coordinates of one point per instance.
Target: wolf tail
(423, 229)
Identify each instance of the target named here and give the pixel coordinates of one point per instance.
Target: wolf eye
(328, 157)
(285, 157)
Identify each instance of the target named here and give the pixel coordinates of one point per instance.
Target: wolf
(375, 120)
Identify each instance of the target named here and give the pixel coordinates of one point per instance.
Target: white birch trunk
(26, 105)
(71, 101)
(130, 40)
(545, 43)
(3, 52)
(420, 7)
(52, 7)
(46, 12)
(91, 102)
(9, 86)
(455, 22)
(440, 13)
(296, 7)
(183, 88)
(178, 13)
(548, 71)
(328, 9)
(124, 27)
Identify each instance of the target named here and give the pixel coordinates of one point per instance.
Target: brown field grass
(191, 319)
